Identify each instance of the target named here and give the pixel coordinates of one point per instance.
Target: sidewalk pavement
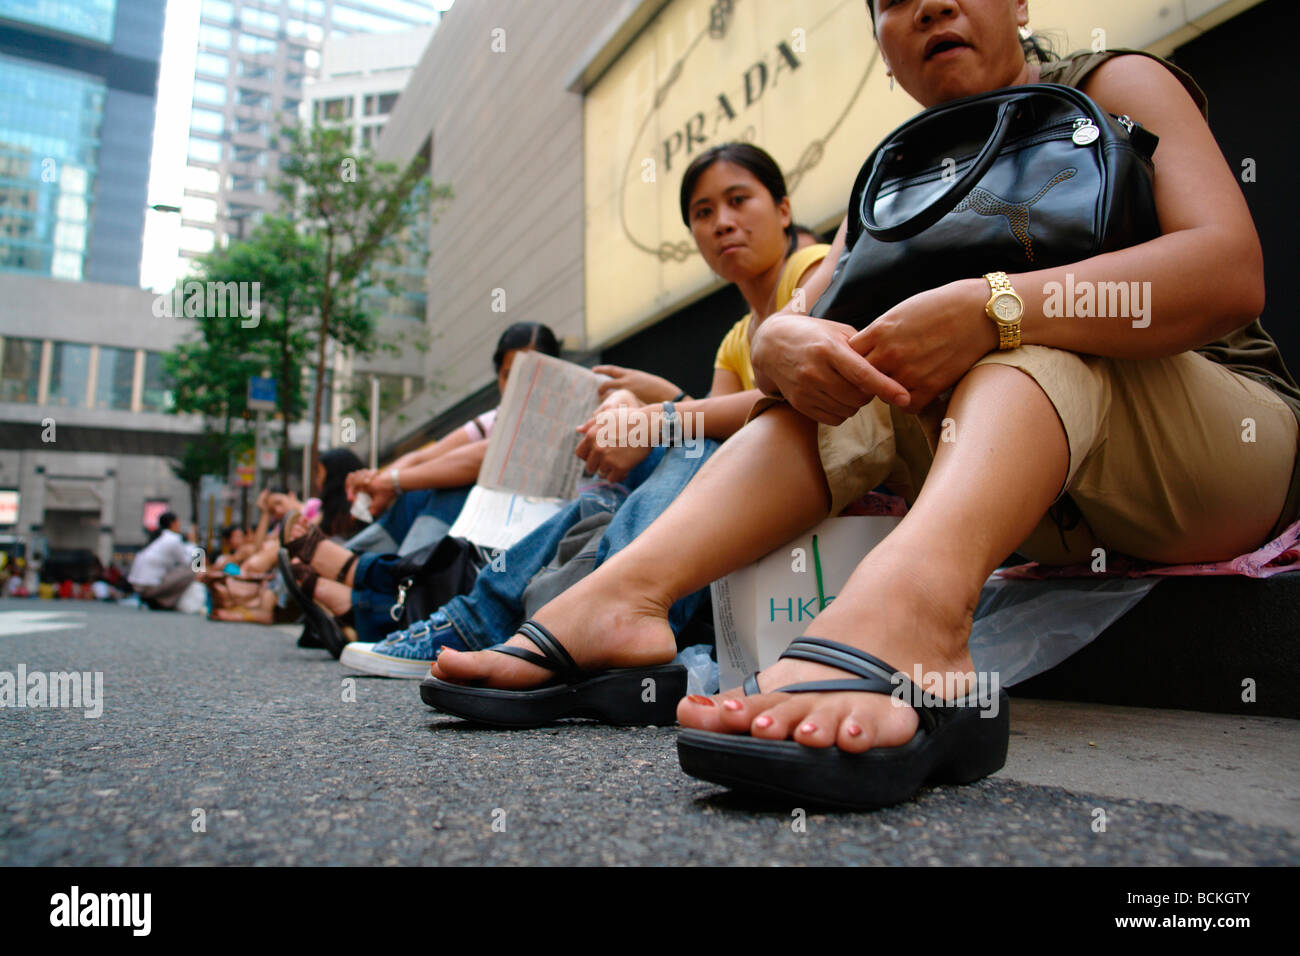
(226, 744)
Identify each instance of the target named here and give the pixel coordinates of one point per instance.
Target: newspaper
(530, 468)
(532, 447)
(500, 519)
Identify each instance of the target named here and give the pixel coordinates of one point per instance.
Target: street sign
(268, 459)
(245, 468)
(261, 394)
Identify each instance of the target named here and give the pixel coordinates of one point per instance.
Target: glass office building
(78, 88)
(92, 19)
(250, 69)
(49, 148)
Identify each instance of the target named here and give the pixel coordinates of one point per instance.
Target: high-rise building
(78, 84)
(252, 62)
(85, 438)
(360, 80)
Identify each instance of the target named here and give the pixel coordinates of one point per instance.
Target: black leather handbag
(1022, 178)
(433, 575)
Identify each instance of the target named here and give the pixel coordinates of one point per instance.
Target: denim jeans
(493, 610)
(415, 519)
(374, 588)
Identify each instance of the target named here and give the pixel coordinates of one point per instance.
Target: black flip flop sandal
(626, 696)
(957, 741)
(320, 621)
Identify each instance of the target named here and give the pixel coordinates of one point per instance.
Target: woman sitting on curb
(420, 494)
(740, 216)
(1141, 427)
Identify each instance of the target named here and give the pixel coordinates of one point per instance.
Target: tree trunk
(326, 306)
(286, 406)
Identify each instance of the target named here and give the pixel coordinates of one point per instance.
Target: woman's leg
(764, 486)
(911, 601)
(329, 558)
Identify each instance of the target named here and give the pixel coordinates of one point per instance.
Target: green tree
(205, 454)
(363, 213)
(210, 373)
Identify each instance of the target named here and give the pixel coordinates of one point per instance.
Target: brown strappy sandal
(300, 581)
(304, 546)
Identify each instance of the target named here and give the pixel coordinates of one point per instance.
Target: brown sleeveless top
(1248, 351)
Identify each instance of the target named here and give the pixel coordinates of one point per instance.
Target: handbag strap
(945, 203)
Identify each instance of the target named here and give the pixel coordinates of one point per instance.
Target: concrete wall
(93, 448)
(121, 483)
(89, 312)
(507, 136)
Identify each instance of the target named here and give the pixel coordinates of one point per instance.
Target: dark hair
(226, 533)
(748, 156)
(336, 514)
(525, 335)
(166, 519)
(796, 231)
(1039, 47)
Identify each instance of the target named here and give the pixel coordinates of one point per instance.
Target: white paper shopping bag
(760, 609)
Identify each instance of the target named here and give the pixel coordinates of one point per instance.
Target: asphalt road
(226, 744)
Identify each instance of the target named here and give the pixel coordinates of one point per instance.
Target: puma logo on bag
(985, 203)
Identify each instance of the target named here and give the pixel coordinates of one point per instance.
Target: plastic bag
(193, 600)
(1023, 628)
(701, 669)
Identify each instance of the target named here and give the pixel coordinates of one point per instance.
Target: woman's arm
(459, 466)
(1198, 281)
(1206, 272)
(646, 387)
(259, 533)
(810, 362)
(457, 439)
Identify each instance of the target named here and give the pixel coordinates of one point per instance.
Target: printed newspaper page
(531, 450)
(500, 519)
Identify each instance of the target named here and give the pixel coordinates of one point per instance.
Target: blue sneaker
(405, 653)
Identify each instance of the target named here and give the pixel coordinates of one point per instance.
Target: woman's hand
(359, 480)
(616, 440)
(617, 397)
(929, 341)
(811, 363)
(646, 387)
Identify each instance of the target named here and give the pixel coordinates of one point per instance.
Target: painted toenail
(764, 722)
(808, 729)
(732, 704)
(702, 701)
(853, 730)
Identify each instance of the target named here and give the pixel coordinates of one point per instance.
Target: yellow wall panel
(801, 79)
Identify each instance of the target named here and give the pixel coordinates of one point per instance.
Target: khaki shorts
(1162, 465)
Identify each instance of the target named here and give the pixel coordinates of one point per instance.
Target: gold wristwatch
(1005, 308)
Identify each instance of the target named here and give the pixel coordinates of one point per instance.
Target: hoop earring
(1025, 32)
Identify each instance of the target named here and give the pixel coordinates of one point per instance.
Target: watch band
(1008, 335)
(671, 425)
(397, 485)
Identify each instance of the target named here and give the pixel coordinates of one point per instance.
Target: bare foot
(599, 631)
(890, 615)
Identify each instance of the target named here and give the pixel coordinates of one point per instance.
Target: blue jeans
(415, 519)
(493, 610)
(374, 587)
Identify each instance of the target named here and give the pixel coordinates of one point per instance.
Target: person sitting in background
(162, 570)
(733, 199)
(431, 487)
(420, 494)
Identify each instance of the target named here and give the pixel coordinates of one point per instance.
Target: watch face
(1006, 307)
